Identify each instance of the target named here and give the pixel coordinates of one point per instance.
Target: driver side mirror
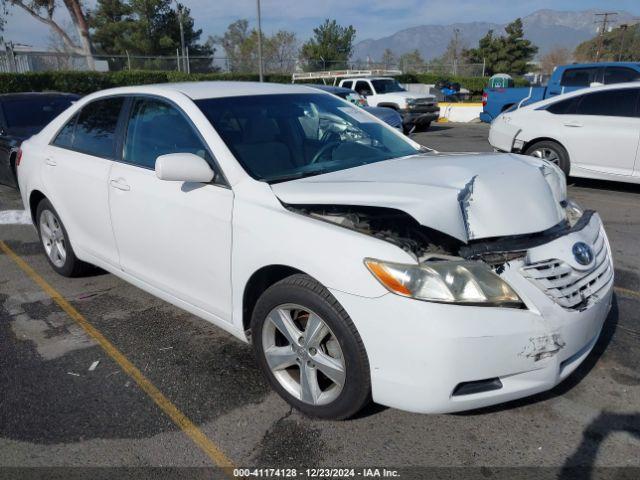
(183, 167)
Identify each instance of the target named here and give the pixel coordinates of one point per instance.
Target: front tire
(552, 152)
(55, 241)
(309, 349)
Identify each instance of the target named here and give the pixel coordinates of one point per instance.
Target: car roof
(211, 89)
(582, 91)
(601, 64)
(332, 89)
(23, 95)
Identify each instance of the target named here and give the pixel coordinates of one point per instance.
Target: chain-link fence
(32, 61)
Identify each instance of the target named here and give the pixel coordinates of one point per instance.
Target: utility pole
(260, 72)
(182, 50)
(623, 32)
(603, 20)
(456, 33)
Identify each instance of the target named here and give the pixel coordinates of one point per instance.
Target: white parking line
(15, 217)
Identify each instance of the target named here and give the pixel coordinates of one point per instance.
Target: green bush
(87, 82)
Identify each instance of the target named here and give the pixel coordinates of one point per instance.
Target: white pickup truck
(417, 110)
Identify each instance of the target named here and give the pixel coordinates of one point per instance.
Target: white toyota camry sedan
(591, 133)
(358, 264)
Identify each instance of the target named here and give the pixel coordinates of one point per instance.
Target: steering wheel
(324, 149)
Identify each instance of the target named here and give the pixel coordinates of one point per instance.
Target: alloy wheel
(546, 154)
(53, 238)
(303, 354)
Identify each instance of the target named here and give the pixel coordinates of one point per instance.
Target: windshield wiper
(295, 176)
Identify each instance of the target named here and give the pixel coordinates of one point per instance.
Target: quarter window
(95, 130)
(579, 77)
(65, 136)
(564, 107)
(347, 84)
(613, 103)
(620, 75)
(157, 128)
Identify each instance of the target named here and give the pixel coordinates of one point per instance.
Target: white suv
(418, 111)
(358, 265)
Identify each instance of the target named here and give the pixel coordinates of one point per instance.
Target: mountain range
(547, 29)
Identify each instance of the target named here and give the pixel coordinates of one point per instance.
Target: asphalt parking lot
(55, 411)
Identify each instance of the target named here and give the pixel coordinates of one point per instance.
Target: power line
(603, 20)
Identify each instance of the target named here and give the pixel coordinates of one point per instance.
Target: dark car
(387, 115)
(21, 116)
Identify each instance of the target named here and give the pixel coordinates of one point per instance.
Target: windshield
(387, 85)
(33, 113)
(282, 137)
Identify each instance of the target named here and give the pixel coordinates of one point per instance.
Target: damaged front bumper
(436, 358)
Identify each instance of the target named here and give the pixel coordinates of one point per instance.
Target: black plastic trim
(477, 386)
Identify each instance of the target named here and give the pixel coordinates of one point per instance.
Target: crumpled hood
(466, 196)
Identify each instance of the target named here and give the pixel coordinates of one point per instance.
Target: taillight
(484, 99)
(18, 157)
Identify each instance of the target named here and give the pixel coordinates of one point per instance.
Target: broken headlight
(573, 212)
(447, 281)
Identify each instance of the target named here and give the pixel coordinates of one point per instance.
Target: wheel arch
(258, 282)
(533, 141)
(35, 197)
(12, 164)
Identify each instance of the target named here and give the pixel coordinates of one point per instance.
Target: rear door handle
(51, 162)
(120, 185)
(572, 124)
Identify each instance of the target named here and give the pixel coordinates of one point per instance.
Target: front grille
(423, 102)
(572, 288)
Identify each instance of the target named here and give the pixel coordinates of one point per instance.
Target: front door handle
(51, 162)
(572, 124)
(120, 184)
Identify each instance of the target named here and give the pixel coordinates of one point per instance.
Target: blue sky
(371, 18)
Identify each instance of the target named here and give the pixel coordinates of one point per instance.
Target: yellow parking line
(627, 292)
(179, 418)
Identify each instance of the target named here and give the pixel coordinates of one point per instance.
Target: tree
(620, 44)
(112, 24)
(147, 27)
(329, 48)
(557, 56)
(241, 49)
(510, 53)
(389, 59)
(43, 11)
(411, 62)
(280, 52)
(240, 46)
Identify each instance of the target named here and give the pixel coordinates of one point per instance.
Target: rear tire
(55, 242)
(323, 374)
(551, 151)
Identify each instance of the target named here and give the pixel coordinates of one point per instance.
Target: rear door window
(579, 77)
(363, 88)
(612, 103)
(347, 84)
(620, 75)
(93, 130)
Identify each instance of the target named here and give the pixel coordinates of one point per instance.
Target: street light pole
(260, 72)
